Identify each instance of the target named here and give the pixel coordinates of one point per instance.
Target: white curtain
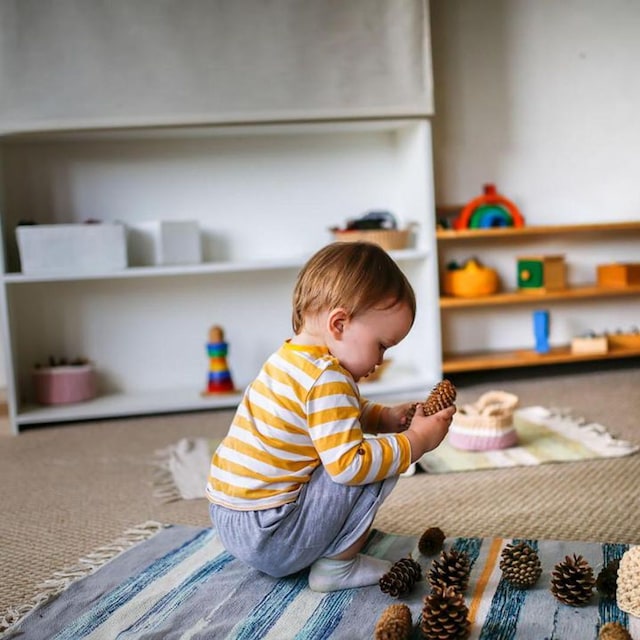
(72, 63)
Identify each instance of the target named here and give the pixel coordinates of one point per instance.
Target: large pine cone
(431, 541)
(401, 577)
(613, 631)
(607, 580)
(394, 623)
(520, 565)
(572, 581)
(452, 569)
(444, 615)
(443, 395)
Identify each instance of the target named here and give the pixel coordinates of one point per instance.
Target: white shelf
(197, 269)
(394, 383)
(264, 197)
(128, 404)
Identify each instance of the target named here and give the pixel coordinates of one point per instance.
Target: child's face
(360, 342)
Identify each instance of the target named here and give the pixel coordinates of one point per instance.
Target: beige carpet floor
(65, 490)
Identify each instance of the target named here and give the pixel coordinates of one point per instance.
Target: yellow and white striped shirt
(302, 410)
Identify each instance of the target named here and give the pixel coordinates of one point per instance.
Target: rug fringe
(181, 470)
(592, 434)
(61, 580)
(164, 486)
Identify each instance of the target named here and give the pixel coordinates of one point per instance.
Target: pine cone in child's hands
(443, 395)
(411, 411)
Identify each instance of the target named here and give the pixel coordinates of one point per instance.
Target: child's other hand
(426, 433)
(393, 418)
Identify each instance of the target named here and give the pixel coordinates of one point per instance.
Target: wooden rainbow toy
(219, 379)
(491, 209)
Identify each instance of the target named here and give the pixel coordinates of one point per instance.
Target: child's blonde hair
(356, 276)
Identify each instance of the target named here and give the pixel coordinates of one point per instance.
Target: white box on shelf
(71, 248)
(164, 242)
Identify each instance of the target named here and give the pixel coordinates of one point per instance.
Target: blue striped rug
(182, 584)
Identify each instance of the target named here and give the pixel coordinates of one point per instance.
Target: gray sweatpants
(325, 520)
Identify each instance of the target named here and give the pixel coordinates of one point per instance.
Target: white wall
(543, 98)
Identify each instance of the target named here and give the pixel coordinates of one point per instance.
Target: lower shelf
(177, 400)
(479, 361)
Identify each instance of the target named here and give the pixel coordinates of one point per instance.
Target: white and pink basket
(485, 425)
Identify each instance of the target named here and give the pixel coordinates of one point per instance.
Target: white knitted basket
(493, 410)
(628, 589)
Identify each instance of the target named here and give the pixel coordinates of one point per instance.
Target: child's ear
(336, 321)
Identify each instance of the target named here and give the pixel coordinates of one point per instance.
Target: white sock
(327, 574)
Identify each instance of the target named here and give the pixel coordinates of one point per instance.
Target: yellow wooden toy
(472, 281)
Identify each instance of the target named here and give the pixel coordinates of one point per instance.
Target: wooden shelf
(480, 361)
(513, 232)
(517, 297)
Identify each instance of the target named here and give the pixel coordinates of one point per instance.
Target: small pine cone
(431, 541)
(572, 581)
(452, 569)
(520, 565)
(607, 580)
(411, 411)
(445, 615)
(394, 623)
(443, 395)
(401, 577)
(613, 631)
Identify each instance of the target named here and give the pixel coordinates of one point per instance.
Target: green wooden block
(530, 274)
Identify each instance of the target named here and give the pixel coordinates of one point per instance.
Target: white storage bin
(71, 248)
(164, 242)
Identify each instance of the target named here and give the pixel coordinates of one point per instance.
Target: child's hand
(426, 433)
(392, 419)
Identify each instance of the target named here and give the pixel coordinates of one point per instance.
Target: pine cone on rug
(394, 623)
(452, 569)
(520, 565)
(401, 577)
(607, 580)
(443, 395)
(613, 631)
(572, 581)
(445, 615)
(431, 541)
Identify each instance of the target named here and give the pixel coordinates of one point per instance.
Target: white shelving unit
(265, 196)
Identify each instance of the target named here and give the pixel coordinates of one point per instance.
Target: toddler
(295, 483)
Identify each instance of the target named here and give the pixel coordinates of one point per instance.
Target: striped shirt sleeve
(333, 410)
(370, 416)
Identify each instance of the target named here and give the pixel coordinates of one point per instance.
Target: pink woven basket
(64, 385)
